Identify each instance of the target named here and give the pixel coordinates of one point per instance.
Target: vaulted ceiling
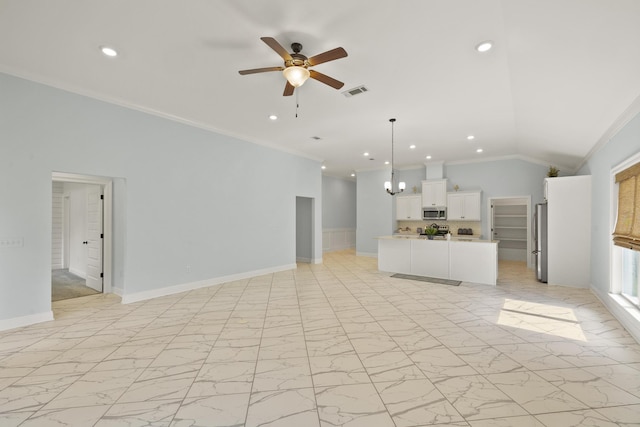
(559, 76)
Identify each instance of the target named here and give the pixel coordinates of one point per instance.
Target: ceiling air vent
(355, 91)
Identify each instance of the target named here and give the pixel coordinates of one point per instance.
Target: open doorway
(304, 229)
(510, 224)
(79, 235)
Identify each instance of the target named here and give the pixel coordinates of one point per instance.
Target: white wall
(183, 196)
(57, 225)
(77, 232)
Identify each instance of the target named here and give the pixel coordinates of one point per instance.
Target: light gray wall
(183, 195)
(338, 203)
(623, 145)
(375, 211)
(498, 178)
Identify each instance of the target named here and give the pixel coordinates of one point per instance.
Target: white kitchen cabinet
(568, 226)
(463, 206)
(434, 193)
(409, 208)
(474, 262)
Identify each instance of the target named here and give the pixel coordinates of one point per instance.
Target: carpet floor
(65, 285)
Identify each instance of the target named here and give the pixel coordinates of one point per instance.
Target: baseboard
(117, 291)
(317, 261)
(176, 289)
(18, 322)
(627, 314)
(78, 273)
(301, 259)
(369, 254)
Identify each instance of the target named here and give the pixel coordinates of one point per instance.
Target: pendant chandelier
(390, 186)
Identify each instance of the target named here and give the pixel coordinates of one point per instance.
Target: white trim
(302, 259)
(18, 322)
(117, 291)
(78, 273)
(524, 158)
(316, 261)
(175, 289)
(627, 115)
(107, 207)
(369, 254)
(626, 313)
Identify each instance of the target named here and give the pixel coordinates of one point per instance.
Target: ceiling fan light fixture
(296, 75)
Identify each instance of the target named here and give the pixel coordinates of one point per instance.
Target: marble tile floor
(337, 344)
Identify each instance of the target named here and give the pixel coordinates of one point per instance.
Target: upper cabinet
(463, 206)
(434, 193)
(409, 207)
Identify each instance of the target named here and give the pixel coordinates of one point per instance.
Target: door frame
(107, 242)
(490, 201)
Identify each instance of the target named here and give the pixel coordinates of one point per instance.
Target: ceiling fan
(296, 65)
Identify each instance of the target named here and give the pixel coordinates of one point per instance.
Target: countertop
(461, 238)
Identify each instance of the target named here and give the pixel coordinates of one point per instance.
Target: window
(629, 276)
(626, 235)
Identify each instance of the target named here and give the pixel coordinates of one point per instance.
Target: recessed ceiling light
(323, 167)
(412, 147)
(470, 137)
(428, 157)
(365, 154)
(479, 150)
(273, 117)
(353, 174)
(387, 162)
(485, 46)
(108, 51)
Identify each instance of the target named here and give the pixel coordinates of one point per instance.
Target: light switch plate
(11, 242)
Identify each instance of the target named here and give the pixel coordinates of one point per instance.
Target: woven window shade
(627, 231)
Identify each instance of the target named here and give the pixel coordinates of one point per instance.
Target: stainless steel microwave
(434, 213)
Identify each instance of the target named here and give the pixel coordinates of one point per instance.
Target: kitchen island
(456, 259)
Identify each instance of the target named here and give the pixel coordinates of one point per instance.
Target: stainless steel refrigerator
(540, 239)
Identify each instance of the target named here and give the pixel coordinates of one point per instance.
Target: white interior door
(94, 237)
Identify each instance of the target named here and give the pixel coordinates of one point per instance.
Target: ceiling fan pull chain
(297, 103)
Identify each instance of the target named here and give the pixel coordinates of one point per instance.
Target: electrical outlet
(11, 242)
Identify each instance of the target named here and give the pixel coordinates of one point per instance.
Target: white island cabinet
(468, 261)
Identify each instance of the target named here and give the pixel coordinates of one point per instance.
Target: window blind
(627, 231)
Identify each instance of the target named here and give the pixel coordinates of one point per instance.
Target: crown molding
(627, 115)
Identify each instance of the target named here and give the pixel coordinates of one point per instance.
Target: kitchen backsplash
(453, 226)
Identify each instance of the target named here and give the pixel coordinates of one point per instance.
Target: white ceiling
(562, 72)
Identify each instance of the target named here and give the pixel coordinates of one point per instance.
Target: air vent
(355, 91)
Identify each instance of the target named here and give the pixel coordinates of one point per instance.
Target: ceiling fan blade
(260, 70)
(327, 56)
(273, 44)
(288, 89)
(325, 79)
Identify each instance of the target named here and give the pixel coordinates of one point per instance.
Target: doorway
(81, 235)
(511, 225)
(304, 229)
